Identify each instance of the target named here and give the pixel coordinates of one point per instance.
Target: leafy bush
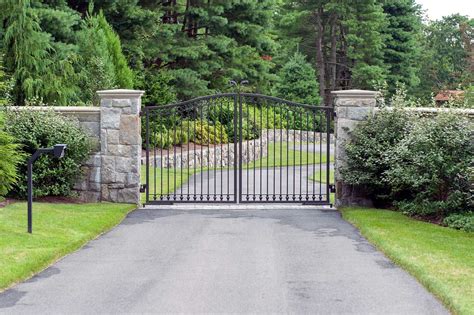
(165, 139)
(37, 129)
(422, 165)
(369, 150)
(266, 117)
(161, 140)
(463, 222)
(429, 167)
(205, 133)
(180, 137)
(10, 157)
(224, 115)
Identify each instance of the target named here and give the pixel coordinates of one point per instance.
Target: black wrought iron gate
(238, 148)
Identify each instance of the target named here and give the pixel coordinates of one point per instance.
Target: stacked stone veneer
(224, 155)
(288, 135)
(120, 143)
(352, 107)
(216, 156)
(112, 172)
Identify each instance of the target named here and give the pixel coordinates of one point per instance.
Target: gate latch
(332, 188)
(143, 188)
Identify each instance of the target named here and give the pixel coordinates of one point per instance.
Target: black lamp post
(58, 152)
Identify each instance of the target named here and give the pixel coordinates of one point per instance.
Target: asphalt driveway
(222, 261)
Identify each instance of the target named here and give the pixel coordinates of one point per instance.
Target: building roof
(446, 95)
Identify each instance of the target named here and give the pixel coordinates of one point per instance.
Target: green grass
(167, 180)
(58, 229)
(321, 176)
(442, 259)
(284, 154)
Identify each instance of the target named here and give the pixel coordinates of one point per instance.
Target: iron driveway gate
(238, 148)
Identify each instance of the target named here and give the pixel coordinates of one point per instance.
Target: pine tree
(343, 40)
(4, 84)
(96, 67)
(298, 81)
(402, 48)
(365, 42)
(38, 73)
(123, 74)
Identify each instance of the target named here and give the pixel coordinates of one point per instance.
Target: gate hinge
(332, 188)
(143, 188)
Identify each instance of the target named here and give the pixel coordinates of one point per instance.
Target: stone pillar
(352, 107)
(121, 145)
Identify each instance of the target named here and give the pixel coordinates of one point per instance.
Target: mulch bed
(48, 199)
(438, 220)
(6, 202)
(59, 199)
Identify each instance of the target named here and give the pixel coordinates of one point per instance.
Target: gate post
(121, 145)
(352, 107)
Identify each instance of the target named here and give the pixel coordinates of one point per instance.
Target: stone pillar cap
(120, 93)
(355, 94)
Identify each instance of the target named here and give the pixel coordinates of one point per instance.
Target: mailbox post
(58, 152)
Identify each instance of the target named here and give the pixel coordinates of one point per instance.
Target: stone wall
(352, 107)
(223, 155)
(432, 111)
(278, 135)
(112, 172)
(120, 143)
(215, 156)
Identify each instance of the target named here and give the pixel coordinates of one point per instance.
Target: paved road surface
(239, 261)
(280, 182)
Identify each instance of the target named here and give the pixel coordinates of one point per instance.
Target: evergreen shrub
(42, 129)
(10, 157)
(421, 165)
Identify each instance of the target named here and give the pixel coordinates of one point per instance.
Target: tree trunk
(333, 59)
(321, 65)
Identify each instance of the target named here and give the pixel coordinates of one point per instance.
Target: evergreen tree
(4, 84)
(298, 81)
(37, 71)
(447, 51)
(363, 23)
(343, 40)
(201, 44)
(123, 75)
(402, 48)
(95, 60)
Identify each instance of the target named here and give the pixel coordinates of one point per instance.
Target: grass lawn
(167, 180)
(284, 154)
(442, 259)
(320, 176)
(58, 229)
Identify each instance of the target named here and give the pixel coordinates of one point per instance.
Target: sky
(439, 8)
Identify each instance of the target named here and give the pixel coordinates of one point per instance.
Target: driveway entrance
(299, 261)
(238, 148)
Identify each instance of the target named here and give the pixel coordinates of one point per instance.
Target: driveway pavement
(292, 182)
(225, 261)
